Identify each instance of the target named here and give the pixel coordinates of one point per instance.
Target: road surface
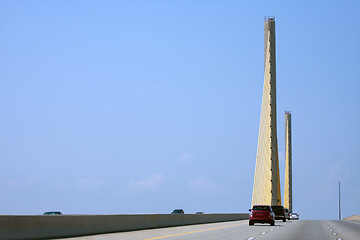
(240, 230)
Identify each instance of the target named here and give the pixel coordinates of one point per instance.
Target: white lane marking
(250, 238)
(271, 229)
(334, 234)
(339, 239)
(330, 230)
(263, 233)
(277, 227)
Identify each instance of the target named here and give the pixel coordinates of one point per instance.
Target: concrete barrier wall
(353, 218)
(45, 227)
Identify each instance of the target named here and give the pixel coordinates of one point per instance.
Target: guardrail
(45, 227)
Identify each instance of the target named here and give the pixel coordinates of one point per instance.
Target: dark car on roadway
(178, 211)
(287, 214)
(52, 213)
(261, 214)
(279, 213)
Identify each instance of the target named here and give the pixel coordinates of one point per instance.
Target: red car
(261, 214)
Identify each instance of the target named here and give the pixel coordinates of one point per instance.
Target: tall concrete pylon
(266, 188)
(288, 163)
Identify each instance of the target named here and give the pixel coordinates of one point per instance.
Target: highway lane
(316, 229)
(299, 230)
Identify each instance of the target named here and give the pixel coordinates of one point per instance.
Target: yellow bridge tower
(288, 163)
(266, 189)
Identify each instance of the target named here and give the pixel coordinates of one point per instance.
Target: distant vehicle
(287, 214)
(178, 211)
(53, 213)
(199, 213)
(279, 212)
(294, 216)
(261, 214)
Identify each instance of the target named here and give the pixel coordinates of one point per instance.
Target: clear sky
(111, 107)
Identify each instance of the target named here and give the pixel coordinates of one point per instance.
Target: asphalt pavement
(240, 230)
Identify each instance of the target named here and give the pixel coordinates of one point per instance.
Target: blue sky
(111, 107)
